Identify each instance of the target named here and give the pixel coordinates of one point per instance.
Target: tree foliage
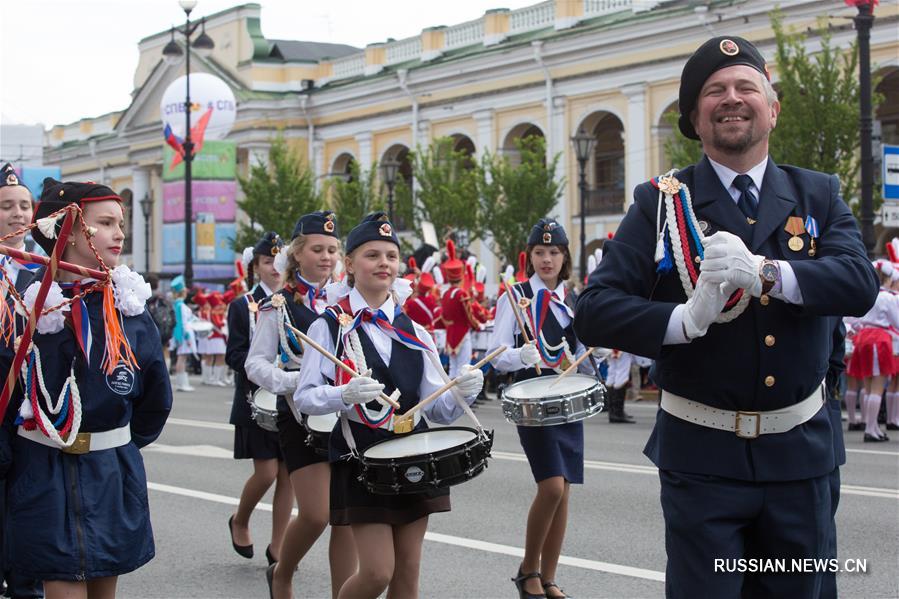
(275, 195)
(515, 195)
(355, 196)
(447, 189)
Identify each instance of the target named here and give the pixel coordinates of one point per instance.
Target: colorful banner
(214, 197)
(212, 242)
(216, 160)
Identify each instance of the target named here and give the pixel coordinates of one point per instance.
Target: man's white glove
(471, 380)
(361, 389)
(728, 260)
(529, 354)
(704, 306)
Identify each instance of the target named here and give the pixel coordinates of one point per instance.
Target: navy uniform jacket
(236, 355)
(728, 367)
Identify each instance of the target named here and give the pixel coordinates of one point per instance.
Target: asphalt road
(614, 546)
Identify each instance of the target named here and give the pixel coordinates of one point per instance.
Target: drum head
(425, 442)
(540, 387)
(265, 400)
(323, 423)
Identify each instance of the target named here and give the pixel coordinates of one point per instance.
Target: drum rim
(559, 395)
(477, 440)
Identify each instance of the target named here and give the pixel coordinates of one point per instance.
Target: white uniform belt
(387, 424)
(746, 425)
(84, 442)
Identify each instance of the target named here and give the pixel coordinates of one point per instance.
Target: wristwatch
(769, 273)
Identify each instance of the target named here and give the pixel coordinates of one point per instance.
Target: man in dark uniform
(744, 440)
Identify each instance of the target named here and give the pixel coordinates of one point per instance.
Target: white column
(365, 157)
(484, 120)
(321, 171)
(559, 143)
(636, 160)
(140, 187)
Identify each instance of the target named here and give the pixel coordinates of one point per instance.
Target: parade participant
(201, 300)
(872, 359)
(741, 389)
(217, 342)
(184, 339)
(16, 210)
(250, 440)
(368, 329)
(555, 453)
(274, 363)
(456, 313)
(76, 464)
(853, 385)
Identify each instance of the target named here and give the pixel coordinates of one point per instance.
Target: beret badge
(11, 179)
(729, 47)
(385, 230)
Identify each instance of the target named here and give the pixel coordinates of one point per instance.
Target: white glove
(727, 260)
(361, 389)
(704, 306)
(471, 380)
(529, 354)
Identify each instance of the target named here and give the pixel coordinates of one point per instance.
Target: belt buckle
(81, 445)
(738, 429)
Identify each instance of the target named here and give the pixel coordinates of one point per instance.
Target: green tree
(447, 189)
(275, 195)
(680, 151)
(515, 196)
(355, 196)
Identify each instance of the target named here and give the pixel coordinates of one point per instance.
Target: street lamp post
(863, 22)
(583, 147)
(391, 168)
(172, 53)
(146, 207)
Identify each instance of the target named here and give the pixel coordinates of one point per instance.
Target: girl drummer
(368, 328)
(184, 339)
(555, 453)
(274, 364)
(250, 440)
(96, 391)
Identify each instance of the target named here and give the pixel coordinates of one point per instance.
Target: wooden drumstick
(573, 366)
(446, 387)
(37, 259)
(306, 339)
(519, 319)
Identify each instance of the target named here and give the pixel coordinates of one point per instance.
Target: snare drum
(319, 429)
(264, 409)
(202, 328)
(534, 403)
(425, 460)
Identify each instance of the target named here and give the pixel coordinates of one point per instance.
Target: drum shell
(421, 473)
(556, 409)
(266, 419)
(319, 441)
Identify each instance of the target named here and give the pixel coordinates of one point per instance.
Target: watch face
(769, 272)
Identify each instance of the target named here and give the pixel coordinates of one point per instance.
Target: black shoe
(242, 550)
(858, 426)
(546, 587)
(620, 419)
(269, 573)
(519, 581)
(269, 557)
(869, 438)
(892, 427)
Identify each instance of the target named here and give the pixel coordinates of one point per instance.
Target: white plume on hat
(509, 274)
(280, 262)
(246, 257)
(429, 264)
(480, 273)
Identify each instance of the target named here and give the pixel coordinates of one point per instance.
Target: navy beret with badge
(57, 195)
(374, 227)
(714, 55)
(547, 232)
(9, 178)
(269, 245)
(321, 222)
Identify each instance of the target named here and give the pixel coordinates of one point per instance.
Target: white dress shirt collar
(727, 176)
(357, 302)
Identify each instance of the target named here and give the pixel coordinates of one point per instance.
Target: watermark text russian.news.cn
(790, 565)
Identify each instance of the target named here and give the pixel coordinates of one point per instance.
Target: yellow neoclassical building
(608, 67)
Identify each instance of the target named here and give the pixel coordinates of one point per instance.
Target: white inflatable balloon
(206, 91)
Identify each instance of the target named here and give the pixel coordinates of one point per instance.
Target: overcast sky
(61, 60)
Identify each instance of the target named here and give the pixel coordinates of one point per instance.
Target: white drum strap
(459, 399)
(348, 434)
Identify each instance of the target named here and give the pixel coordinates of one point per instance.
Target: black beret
(715, 54)
(8, 177)
(547, 232)
(269, 245)
(374, 227)
(57, 195)
(322, 222)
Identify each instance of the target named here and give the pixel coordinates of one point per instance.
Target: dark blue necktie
(747, 203)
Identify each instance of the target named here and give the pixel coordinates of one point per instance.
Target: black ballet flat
(269, 557)
(269, 574)
(869, 438)
(892, 427)
(546, 587)
(519, 581)
(242, 550)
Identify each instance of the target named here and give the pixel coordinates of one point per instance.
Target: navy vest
(552, 331)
